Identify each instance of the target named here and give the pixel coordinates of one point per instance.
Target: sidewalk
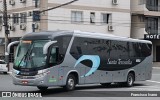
(156, 64)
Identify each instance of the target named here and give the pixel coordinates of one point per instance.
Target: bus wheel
(130, 80)
(71, 82)
(105, 84)
(42, 88)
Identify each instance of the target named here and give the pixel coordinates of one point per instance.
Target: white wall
(123, 4)
(136, 6)
(61, 19)
(20, 5)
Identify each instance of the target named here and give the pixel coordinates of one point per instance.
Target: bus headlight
(15, 72)
(41, 73)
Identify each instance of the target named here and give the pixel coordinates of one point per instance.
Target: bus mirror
(47, 45)
(11, 44)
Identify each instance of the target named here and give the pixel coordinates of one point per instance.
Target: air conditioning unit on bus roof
(115, 2)
(110, 28)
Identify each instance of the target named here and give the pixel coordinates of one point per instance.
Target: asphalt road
(151, 86)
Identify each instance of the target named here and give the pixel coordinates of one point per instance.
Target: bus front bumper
(40, 80)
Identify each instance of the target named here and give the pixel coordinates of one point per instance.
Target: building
(104, 16)
(146, 23)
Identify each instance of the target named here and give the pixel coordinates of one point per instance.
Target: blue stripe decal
(95, 63)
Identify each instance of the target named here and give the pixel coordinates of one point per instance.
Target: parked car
(3, 67)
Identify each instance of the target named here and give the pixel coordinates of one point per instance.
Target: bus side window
(146, 50)
(76, 49)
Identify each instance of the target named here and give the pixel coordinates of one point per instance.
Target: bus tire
(70, 83)
(130, 80)
(42, 88)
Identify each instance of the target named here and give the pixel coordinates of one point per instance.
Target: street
(86, 90)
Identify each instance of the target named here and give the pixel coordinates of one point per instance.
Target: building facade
(145, 23)
(104, 16)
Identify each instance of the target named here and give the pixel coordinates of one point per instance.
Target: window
(106, 18)
(92, 17)
(16, 18)
(89, 46)
(62, 43)
(23, 17)
(76, 16)
(119, 50)
(1, 20)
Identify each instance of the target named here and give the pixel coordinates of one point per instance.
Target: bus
(70, 58)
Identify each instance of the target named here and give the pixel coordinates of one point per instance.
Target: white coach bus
(68, 58)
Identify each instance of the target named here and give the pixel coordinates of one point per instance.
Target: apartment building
(146, 23)
(104, 16)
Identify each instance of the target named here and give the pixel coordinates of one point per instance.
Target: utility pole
(5, 19)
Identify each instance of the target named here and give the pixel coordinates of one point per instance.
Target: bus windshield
(30, 54)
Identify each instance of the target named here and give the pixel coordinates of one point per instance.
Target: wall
(61, 19)
(123, 4)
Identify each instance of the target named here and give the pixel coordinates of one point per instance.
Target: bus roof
(52, 34)
(45, 35)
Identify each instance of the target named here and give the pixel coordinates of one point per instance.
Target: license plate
(24, 82)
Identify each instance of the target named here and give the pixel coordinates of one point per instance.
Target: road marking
(153, 81)
(146, 88)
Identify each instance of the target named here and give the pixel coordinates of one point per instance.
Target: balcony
(139, 8)
(153, 8)
(145, 7)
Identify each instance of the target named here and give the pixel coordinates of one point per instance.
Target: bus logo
(95, 63)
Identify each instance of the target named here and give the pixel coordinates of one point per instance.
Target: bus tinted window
(146, 50)
(119, 49)
(89, 46)
(62, 43)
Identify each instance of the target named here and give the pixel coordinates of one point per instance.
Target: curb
(9, 72)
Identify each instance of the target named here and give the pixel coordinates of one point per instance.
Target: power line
(59, 6)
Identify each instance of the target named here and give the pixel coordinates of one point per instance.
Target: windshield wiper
(25, 56)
